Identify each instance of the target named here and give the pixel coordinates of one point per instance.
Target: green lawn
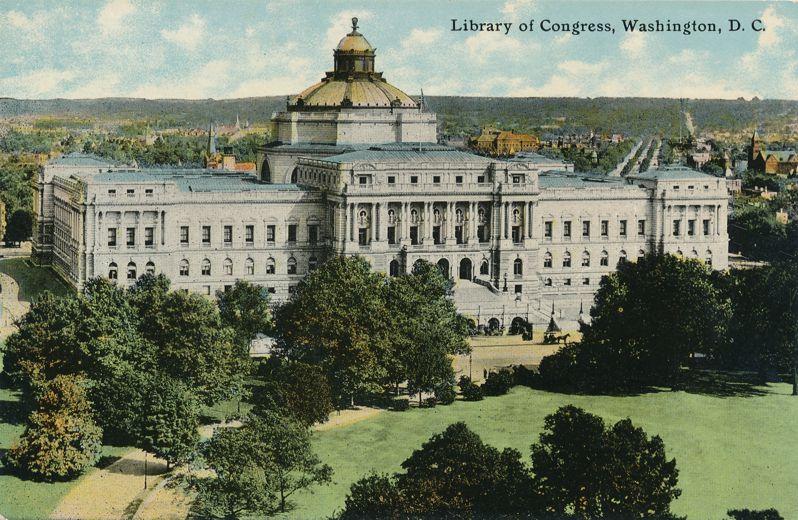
(732, 452)
(32, 280)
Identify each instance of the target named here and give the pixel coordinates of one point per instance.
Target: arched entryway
(494, 324)
(517, 325)
(443, 267)
(393, 268)
(265, 171)
(465, 269)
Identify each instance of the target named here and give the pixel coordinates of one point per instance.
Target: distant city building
(774, 162)
(503, 143)
(356, 171)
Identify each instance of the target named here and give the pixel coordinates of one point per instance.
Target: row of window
(691, 227)
(604, 259)
(131, 192)
(604, 228)
(184, 267)
(227, 235)
(366, 180)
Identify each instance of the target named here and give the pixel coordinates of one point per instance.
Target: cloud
(96, 88)
(39, 83)
(341, 24)
(33, 26)
(773, 22)
(210, 80)
(483, 45)
(517, 8)
(189, 35)
(634, 43)
(112, 16)
(581, 68)
(421, 39)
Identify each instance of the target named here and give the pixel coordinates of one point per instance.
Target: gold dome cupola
(354, 54)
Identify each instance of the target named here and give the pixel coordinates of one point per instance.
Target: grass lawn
(731, 452)
(32, 280)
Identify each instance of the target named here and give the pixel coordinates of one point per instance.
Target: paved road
(618, 169)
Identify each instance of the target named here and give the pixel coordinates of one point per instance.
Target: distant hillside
(458, 115)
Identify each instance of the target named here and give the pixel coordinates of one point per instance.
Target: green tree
(337, 318)
(245, 309)
(749, 514)
(169, 420)
(60, 439)
(20, 226)
(585, 470)
(296, 389)
(256, 468)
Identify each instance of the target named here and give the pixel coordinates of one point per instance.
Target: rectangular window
(566, 229)
(458, 179)
(547, 227)
(585, 281)
(516, 234)
(249, 234)
(149, 236)
(605, 228)
(130, 237)
(391, 179)
(362, 180)
(414, 179)
(518, 288)
(228, 235)
(567, 281)
(436, 179)
(482, 231)
(292, 232)
(206, 289)
(641, 227)
(206, 235)
(148, 192)
(480, 179)
(291, 289)
(131, 192)
(622, 226)
(677, 227)
(112, 193)
(184, 235)
(706, 226)
(586, 229)
(458, 234)
(518, 179)
(392, 235)
(270, 233)
(436, 235)
(363, 236)
(691, 227)
(112, 237)
(414, 235)
(313, 233)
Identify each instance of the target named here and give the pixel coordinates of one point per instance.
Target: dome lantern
(354, 53)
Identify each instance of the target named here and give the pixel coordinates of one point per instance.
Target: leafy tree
(588, 471)
(169, 420)
(296, 389)
(454, 474)
(498, 383)
(748, 514)
(20, 226)
(337, 318)
(426, 329)
(60, 439)
(245, 309)
(193, 346)
(256, 468)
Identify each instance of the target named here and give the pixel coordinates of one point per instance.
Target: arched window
(566, 259)
(131, 271)
(518, 267)
(270, 266)
(694, 254)
(393, 268)
(547, 261)
(295, 175)
(605, 259)
(484, 268)
(585, 259)
(183, 268)
(622, 257)
(249, 266)
(708, 258)
(149, 268)
(679, 253)
(292, 265)
(313, 263)
(458, 215)
(112, 271)
(206, 267)
(228, 267)
(641, 254)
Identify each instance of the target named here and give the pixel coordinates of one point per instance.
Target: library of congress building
(355, 169)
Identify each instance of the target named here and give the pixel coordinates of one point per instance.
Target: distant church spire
(211, 139)
(238, 124)
(421, 105)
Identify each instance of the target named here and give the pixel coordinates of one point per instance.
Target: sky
(201, 49)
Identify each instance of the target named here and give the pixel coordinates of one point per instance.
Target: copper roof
(368, 92)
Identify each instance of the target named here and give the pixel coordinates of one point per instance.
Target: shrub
(498, 383)
(430, 402)
(463, 382)
(445, 394)
(472, 392)
(400, 405)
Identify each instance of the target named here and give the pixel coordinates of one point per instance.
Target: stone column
(506, 223)
(473, 222)
(352, 222)
(373, 223)
(529, 220)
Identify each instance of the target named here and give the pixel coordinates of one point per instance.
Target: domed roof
(353, 82)
(354, 41)
(371, 92)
